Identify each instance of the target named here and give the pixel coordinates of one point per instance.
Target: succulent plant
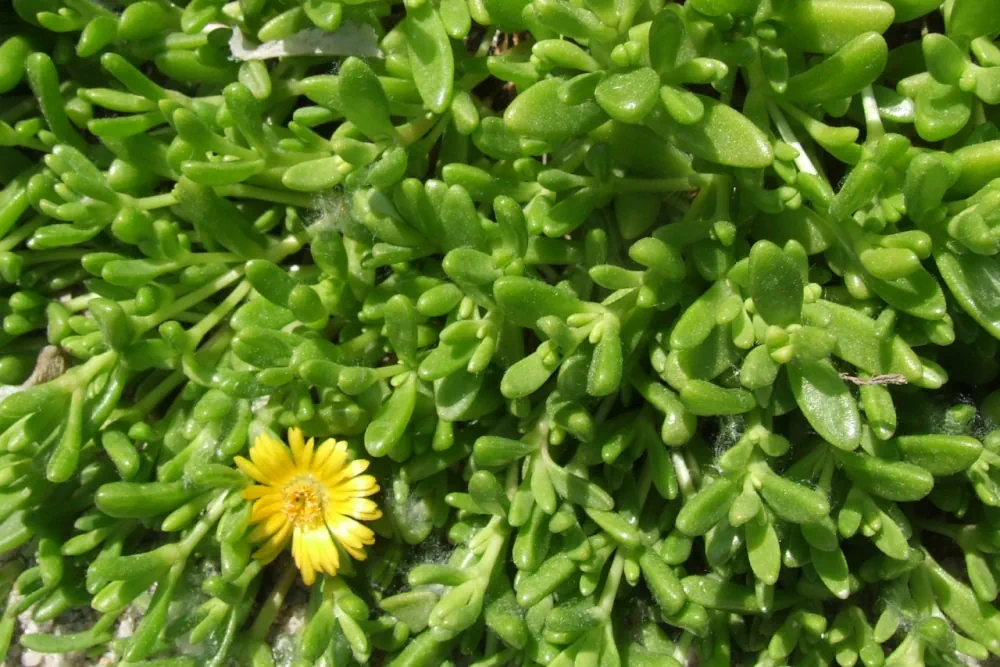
(660, 330)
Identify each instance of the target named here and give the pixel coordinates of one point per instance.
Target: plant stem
(269, 611)
(802, 161)
(873, 119)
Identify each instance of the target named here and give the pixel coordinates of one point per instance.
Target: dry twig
(891, 378)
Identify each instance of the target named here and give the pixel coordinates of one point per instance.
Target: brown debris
(891, 378)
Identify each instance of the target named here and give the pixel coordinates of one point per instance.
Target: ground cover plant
(500, 332)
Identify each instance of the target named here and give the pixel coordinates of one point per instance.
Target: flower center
(303, 504)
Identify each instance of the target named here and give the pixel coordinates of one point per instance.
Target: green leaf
(791, 501)
(979, 164)
(538, 112)
(940, 454)
(775, 284)
(389, 424)
(707, 507)
(707, 399)
(831, 566)
(525, 301)
(859, 344)
(456, 394)
(723, 135)
(974, 281)
(578, 490)
(697, 322)
(629, 97)
(662, 583)
(892, 480)
(431, 58)
(855, 65)
(826, 403)
(918, 294)
(972, 18)
(823, 26)
(763, 548)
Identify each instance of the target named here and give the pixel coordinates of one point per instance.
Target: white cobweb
(350, 39)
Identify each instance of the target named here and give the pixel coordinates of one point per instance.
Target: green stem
(106, 622)
(198, 331)
(152, 399)
(144, 324)
(243, 191)
(682, 650)
(76, 304)
(437, 129)
(248, 575)
(991, 458)
(287, 246)
(655, 184)
(359, 343)
(645, 481)
(978, 113)
(386, 372)
(605, 408)
(90, 9)
(18, 111)
(212, 514)
(22, 233)
(188, 316)
(873, 119)
(697, 207)
(492, 553)
(685, 479)
(413, 131)
(614, 579)
(723, 194)
(232, 625)
(197, 258)
(42, 256)
(940, 528)
(82, 375)
(803, 162)
(156, 201)
(32, 144)
(269, 611)
(511, 481)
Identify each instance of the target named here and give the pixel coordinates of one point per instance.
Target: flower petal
(327, 449)
(271, 525)
(351, 534)
(297, 444)
(315, 549)
(265, 508)
(302, 559)
(251, 470)
(334, 462)
(350, 471)
(256, 491)
(316, 543)
(360, 509)
(308, 454)
(365, 485)
(273, 459)
(275, 545)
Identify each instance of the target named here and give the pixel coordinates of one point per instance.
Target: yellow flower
(311, 497)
